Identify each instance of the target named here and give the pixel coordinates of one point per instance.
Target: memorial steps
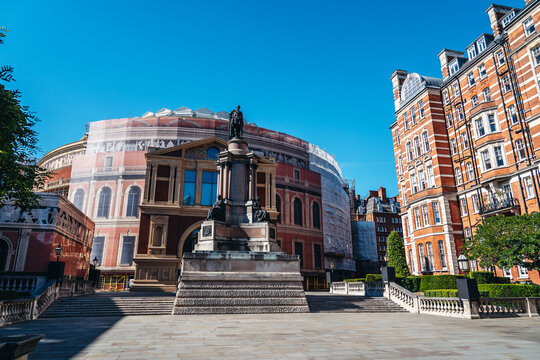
(112, 304)
(324, 302)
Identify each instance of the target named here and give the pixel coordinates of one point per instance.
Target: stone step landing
(324, 302)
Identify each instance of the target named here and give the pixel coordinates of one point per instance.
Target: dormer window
(471, 52)
(528, 25)
(506, 20)
(453, 66)
(481, 44)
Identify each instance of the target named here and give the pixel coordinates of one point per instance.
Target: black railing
(495, 205)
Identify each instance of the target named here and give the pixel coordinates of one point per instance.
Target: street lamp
(95, 261)
(58, 251)
(332, 267)
(463, 263)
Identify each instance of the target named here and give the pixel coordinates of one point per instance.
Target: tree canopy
(396, 254)
(506, 241)
(19, 173)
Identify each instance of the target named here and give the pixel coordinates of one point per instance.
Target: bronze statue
(236, 124)
(217, 212)
(259, 215)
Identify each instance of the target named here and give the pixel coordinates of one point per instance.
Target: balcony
(495, 206)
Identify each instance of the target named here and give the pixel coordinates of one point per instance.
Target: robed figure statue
(236, 124)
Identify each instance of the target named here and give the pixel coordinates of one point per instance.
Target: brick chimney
(496, 13)
(445, 56)
(382, 194)
(398, 77)
(372, 193)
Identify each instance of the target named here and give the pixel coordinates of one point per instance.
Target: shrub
(510, 290)
(450, 293)
(396, 254)
(373, 277)
(483, 277)
(411, 283)
(434, 282)
(355, 280)
(501, 280)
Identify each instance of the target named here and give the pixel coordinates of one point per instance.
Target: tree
(507, 241)
(396, 254)
(18, 142)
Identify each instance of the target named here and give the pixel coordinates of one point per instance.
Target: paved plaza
(283, 336)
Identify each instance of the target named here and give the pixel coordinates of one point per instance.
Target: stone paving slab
(283, 336)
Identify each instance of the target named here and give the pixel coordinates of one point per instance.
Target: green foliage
(18, 142)
(396, 254)
(411, 283)
(507, 241)
(449, 293)
(355, 280)
(434, 282)
(510, 290)
(373, 277)
(487, 277)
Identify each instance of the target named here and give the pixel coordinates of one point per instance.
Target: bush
(501, 280)
(411, 283)
(450, 293)
(355, 280)
(434, 282)
(396, 254)
(373, 277)
(483, 277)
(510, 290)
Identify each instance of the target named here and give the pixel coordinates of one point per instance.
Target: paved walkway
(283, 336)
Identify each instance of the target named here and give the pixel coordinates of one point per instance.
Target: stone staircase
(112, 304)
(325, 302)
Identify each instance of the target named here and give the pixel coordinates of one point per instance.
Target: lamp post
(95, 261)
(463, 263)
(58, 251)
(332, 267)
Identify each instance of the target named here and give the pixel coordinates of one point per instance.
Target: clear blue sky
(318, 70)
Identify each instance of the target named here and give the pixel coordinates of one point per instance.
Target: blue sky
(318, 70)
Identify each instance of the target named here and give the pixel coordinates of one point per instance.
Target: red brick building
(467, 146)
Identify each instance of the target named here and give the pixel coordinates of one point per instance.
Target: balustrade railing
(494, 205)
(507, 307)
(12, 311)
(363, 288)
(21, 283)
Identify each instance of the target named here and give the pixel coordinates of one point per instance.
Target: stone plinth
(224, 282)
(156, 273)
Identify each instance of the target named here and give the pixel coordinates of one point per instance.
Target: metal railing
(495, 205)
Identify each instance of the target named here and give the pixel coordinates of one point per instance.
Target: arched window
(316, 215)
(104, 203)
(425, 141)
(410, 154)
(278, 208)
(134, 196)
(417, 147)
(4, 253)
(158, 235)
(297, 211)
(78, 199)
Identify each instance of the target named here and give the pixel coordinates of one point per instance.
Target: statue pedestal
(229, 282)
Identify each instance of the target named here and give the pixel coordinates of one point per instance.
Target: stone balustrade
(461, 308)
(12, 311)
(21, 283)
(362, 288)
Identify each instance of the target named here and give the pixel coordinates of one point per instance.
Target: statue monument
(237, 265)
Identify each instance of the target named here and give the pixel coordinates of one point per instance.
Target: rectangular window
(456, 89)
(209, 187)
(520, 149)
(422, 256)
(461, 116)
(481, 44)
(459, 178)
(453, 146)
(421, 179)
(445, 97)
(470, 171)
(431, 177)
(128, 246)
(429, 249)
(417, 219)
(449, 121)
(296, 174)
(513, 114)
(403, 195)
(190, 177)
(299, 250)
(536, 55)
(471, 52)
(442, 254)
(507, 273)
(492, 123)
(414, 185)
(425, 215)
(474, 100)
(499, 160)
(463, 202)
(482, 71)
(453, 66)
(97, 249)
(406, 121)
(413, 115)
(318, 256)
(465, 140)
(486, 160)
(522, 272)
(528, 25)
(470, 77)
(487, 94)
(436, 212)
(528, 187)
(480, 127)
(476, 204)
(500, 58)
(421, 109)
(506, 84)
(397, 136)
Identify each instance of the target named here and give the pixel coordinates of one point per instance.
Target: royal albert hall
(104, 175)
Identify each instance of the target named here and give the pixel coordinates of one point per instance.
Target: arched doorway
(4, 253)
(188, 239)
